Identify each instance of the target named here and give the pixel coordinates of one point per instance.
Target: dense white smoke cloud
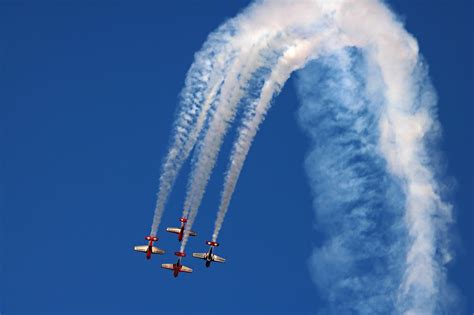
(358, 205)
(381, 101)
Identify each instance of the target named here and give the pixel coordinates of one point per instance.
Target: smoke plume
(369, 108)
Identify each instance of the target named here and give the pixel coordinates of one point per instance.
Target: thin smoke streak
(202, 83)
(233, 89)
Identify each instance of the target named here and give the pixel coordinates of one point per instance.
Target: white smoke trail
(405, 120)
(358, 205)
(201, 87)
(185, 138)
(292, 59)
(254, 53)
(305, 34)
(237, 72)
(231, 92)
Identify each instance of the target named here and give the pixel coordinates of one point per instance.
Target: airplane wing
(192, 233)
(167, 266)
(156, 250)
(142, 248)
(199, 255)
(173, 230)
(217, 259)
(186, 269)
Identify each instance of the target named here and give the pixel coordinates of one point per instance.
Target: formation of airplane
(181, 230)
(149, 249)
(178, 266)
(209, 256)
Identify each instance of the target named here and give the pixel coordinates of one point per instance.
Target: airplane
(178, 267)
(209, 256)
(181, 231)
(149, 249)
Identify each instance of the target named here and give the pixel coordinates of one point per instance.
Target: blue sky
(88, 95)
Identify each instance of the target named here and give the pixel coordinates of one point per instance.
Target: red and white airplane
(209, 256)
(181, 230)
(149, 249)
(178, 267)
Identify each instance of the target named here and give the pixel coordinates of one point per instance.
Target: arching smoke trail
(232, 90)
(237, 72)
(292, 59)
(253, 46)
(409, 260)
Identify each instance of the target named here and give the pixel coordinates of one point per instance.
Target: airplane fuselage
(149, 250)
(177, 268)
(181, 232)
(209, 257)
(209, 254)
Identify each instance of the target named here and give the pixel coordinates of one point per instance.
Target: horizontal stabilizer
(191, 233)
(199, 255)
